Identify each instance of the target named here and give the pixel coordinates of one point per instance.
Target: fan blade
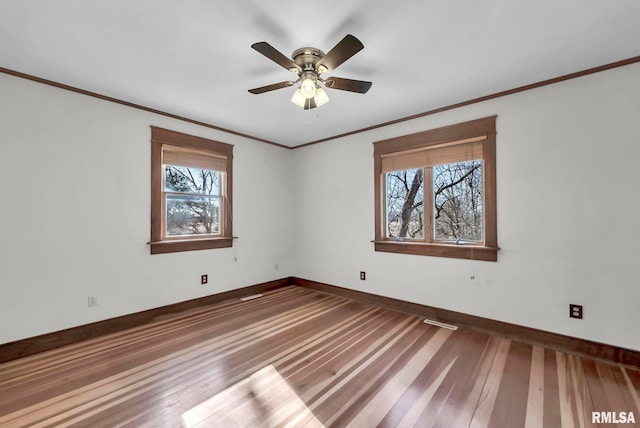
(345, 49)
(274, 55)
(271, 87)
(359, 86)
(309, 104)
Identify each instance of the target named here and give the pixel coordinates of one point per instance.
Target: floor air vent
(440, 324)
(253, 296)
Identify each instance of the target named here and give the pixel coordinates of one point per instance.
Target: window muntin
(458, 192)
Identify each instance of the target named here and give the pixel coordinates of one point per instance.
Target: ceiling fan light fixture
(308, 88)
(321, 97)
(298, 99)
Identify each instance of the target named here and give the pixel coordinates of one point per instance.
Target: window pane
(457, 195)
(191, 180)
(405, 204)
(192, 215)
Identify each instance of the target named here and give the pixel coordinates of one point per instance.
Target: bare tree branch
(460, 180)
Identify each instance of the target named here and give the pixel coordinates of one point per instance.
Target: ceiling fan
(309, 64)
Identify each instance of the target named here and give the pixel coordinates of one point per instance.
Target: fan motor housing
(307, 58)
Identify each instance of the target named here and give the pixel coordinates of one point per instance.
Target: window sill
(175, 246)
(469, 252)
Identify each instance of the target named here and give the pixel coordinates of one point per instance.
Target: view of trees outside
(457, 190)
(405, 204)
(457, 202)
(193, 201)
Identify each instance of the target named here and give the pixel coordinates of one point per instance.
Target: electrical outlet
(363, 275)
(575, 311)
(92, 301)
(204, 279)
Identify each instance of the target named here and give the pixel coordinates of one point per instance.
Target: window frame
(160, 244)
(488, 251)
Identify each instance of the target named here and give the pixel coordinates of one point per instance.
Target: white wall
(568, 213)
(75, 213)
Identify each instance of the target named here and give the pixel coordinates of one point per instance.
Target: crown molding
(333, 137)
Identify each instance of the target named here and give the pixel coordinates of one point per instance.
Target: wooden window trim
(458, 132)
(160, 136)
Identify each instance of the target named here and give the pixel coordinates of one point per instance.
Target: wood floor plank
(431, 378)
(551, 402)
(462, 388)
(599, 394)
(575, 397)
(296, 357)
(475, 382)
(487, 400)
(535, 395)
(347, 386)
(378, 405)
(631, 394)
(510, 405)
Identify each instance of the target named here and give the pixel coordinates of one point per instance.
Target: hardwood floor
(298, 357)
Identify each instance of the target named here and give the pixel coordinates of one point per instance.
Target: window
(455, 197)
(190, 192)
(435, 192)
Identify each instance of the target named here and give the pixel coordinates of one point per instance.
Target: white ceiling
(193, 58)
